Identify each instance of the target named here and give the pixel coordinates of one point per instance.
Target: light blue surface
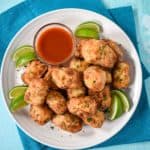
(8, 134)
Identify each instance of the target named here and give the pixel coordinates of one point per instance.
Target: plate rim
(2, 74)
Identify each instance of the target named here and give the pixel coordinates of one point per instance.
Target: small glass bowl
(44, 28)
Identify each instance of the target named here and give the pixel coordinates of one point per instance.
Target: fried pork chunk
(35, 69)
(40, 114)
(95, 78)
(56, 102)
(68, 122)
(78, 64)
(121, 75)
(48, 78)
(76, 92)
(103, 98)
(37, 92)
(78, 49)
(98, 52)
(66, 78)
(95, 120)
(82, 106)
(116, 47)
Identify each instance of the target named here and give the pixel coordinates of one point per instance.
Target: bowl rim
(2, 76)
(59, 25)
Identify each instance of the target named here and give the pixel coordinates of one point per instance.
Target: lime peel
(21, 51)
(87, 33)
(16, 95)
(124, 99)
(17, 103)
(17, 91)
(89, 29)
(22, 61)
(116, 109)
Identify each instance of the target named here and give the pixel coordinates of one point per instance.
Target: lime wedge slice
(24, 60)
(17, 103)
(17, 91)
(116, 109)
(90, 25)
(87, 33)
(88, 29)
(124, 99)
(22, 51)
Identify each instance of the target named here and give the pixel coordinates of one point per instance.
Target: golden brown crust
(36, 92)
(121, 75)
(78, 64)
(66, 78)
(116, 47)
(98, 52)
(103, 98)
(95, 78)
(56, 102)
(82, 106)
(40, 114)
(95, 120)
(78, 49)
(76, 92)
(68, 122)
(35, 69)
(48, 78)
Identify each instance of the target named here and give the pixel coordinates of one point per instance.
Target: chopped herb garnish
(120, 80)
(100, 109)
(89, 119)
(94, 81)
(86, 105)
(117, 79)
(107, 110)
(77, 66)
(105, 97)
(102, 48)
(83, 131)
(52, 127)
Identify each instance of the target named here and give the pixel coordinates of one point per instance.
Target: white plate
(88, 136)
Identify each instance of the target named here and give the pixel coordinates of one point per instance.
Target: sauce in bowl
(54, 43)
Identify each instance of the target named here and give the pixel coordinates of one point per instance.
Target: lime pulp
(116, 109)
(17, 91)
(90, 25)
(88, 29)
(22, 51)
(124, 99)
(24, 60)
(17, 103)
(87, 33)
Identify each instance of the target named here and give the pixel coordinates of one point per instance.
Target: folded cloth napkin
(138, 128)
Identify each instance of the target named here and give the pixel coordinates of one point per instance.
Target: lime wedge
(24, 60)
(90, 25)
(17, 103)
(124, 99)
(17, 91)
(87, 33)
(88, 30)
(22, 51)
(116, 109)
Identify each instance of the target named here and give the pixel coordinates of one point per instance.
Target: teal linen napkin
(138, 128)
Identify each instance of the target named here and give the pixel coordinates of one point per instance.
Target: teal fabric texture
(138, 128)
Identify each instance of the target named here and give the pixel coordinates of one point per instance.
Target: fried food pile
(79, 93)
